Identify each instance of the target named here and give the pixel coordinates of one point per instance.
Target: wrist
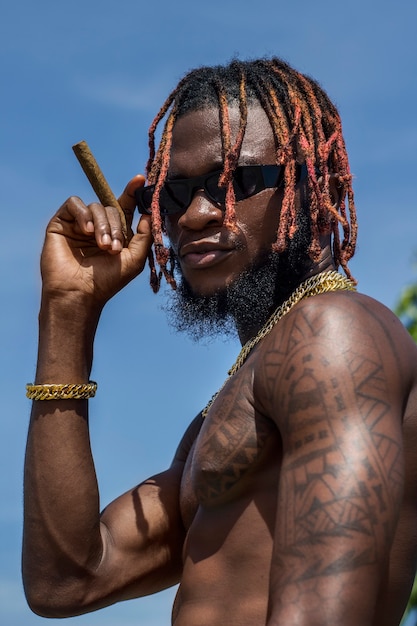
(67, 329)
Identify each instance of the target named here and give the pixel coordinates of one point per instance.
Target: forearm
(61, 529)
(66, 336)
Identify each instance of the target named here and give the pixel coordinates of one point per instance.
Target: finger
(108, 228)
(145, 226)
(140, 244)
(96, 222)
(116, 230)
(73, 211)
(127, 200)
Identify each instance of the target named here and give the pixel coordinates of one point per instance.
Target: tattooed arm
(336, 393)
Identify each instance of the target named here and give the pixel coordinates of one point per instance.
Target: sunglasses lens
(211, 186)
(168, 203)
(144, 199)
(245, 182)
(173, 198)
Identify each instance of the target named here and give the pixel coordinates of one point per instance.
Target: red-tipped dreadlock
(306, 128)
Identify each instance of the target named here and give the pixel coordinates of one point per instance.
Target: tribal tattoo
(231, 442)
(342, 473)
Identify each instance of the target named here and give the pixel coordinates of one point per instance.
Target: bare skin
(293, 502)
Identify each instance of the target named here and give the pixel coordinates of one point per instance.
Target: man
(291, 497)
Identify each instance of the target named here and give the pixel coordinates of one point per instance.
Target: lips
(204, 253)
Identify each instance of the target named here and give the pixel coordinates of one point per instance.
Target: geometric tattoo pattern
(329, 415)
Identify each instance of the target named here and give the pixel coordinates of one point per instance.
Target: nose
(202, 213)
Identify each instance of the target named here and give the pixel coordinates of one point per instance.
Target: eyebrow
(215, 167)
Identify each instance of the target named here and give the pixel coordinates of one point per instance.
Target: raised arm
(72, 561)
(337, 398)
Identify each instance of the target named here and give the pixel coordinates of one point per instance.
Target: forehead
(197, 143)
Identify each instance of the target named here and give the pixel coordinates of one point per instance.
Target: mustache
(224, 240)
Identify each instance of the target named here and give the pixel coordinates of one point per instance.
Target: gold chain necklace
(320, 283)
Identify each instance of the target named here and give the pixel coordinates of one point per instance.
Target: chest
(235, 445)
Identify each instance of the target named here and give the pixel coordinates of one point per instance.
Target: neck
(324, 264)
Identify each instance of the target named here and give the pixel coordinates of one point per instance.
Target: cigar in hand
(98, 181)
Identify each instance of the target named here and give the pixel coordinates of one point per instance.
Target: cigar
(98, 181)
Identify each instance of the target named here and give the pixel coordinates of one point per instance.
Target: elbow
(45, 607)
(53, 600)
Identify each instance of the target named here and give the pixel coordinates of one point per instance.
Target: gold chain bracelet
(66, 391)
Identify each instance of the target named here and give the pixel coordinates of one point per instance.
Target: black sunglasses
(176, 194)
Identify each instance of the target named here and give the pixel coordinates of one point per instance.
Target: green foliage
(406, 309)
(413, 597)
(412, 603)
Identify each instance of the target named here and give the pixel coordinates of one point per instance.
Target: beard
(245, 304)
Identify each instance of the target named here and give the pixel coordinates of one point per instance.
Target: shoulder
(342, 321)
(339, 312)
(335, 340)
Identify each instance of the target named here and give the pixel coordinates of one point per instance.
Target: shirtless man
(291, 497)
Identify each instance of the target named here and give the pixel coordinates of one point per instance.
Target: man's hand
(85, 253)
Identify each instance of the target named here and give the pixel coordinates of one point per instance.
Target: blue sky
(99, 71)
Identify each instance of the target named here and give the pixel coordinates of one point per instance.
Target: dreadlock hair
(304, 122)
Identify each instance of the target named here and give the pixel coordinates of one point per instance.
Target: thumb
(140, 244)
(127, 199)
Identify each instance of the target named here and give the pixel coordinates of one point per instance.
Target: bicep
(142, 537)
(342, 475)
(143, 534)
